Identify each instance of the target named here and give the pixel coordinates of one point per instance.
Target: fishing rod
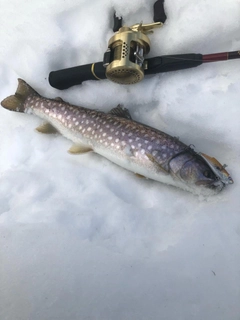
(124, 61)
(66, 78)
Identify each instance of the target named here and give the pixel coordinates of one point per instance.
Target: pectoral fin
(152, 159)
(46, 128)
(79, 149)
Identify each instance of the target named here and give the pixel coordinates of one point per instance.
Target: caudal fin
(16, 102)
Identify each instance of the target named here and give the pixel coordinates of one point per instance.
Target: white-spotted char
(134, 146)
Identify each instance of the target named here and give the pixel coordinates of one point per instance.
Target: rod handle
(66, 78)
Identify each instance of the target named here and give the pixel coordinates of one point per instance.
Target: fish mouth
(216, 185)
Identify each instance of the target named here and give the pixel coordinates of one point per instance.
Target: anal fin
(46, 128)
(79, 149)
(139, 175)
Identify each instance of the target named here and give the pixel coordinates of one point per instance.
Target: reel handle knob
(66, 78)
(158, 12)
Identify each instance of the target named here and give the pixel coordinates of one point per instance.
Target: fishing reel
(124, 59)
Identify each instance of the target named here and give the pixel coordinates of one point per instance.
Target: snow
(81, 238)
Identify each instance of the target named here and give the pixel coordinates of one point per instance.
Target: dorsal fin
(59, 99)
(119, 111)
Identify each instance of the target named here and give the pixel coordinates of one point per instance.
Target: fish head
(191, 169)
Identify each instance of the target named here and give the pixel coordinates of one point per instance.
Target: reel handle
(158, 12)
(66, 78)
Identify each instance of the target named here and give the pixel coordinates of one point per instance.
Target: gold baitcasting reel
(124, 59)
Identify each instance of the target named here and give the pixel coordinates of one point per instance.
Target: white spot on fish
(154, 153)
(59, 116)
(112, 130)
(130, 134)
(80, 127)
(70, 125)
(76, 123)
(163, 147)
(164, 155)
(104, 134)
(130, 140)
(109, 138)
(123, 134)
(89, 129)
(106, 144)
(68, 117)
(139, 145)
(142, 151)
(149, 147)
(137, 139)
(116, 140)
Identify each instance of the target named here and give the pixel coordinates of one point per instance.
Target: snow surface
(81, 238)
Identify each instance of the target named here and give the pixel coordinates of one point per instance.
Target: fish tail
(16, 101)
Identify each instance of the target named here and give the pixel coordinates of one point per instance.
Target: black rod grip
(173, 63)
(66, 78)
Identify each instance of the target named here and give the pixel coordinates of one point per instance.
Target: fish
(139, 148)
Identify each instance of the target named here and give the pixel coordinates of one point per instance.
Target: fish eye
(207, 174)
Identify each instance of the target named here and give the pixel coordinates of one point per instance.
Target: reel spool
(124, 58)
